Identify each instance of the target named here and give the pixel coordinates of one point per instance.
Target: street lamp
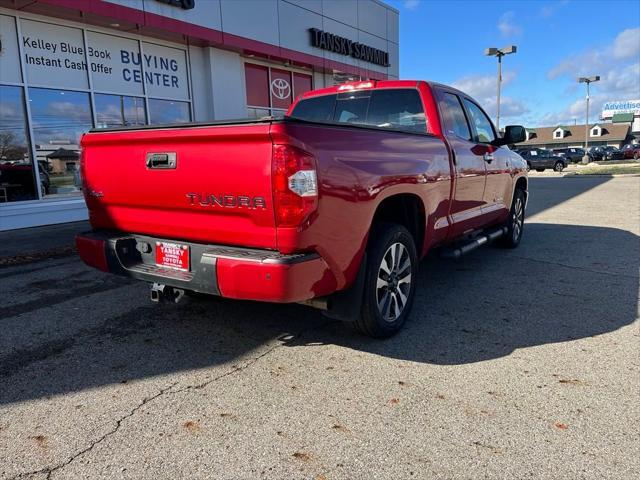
(587, 80)
(499, 52)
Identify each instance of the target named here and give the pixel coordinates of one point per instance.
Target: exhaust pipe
(165, 293)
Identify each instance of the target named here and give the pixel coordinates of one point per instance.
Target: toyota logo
(280, 88)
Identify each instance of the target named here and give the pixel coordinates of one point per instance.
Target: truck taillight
(295, 185)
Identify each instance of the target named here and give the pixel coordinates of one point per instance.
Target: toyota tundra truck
(331, 206)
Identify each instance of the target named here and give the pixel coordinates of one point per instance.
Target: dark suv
(541, 159)
(572, 154)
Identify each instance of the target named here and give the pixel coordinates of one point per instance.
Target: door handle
(488, 157)
(161, 160)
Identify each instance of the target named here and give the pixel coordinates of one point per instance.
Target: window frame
(368, 126)
(271, 109)
(474, 130)
(440, 96)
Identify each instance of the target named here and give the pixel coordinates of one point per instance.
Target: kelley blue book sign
(56, 56)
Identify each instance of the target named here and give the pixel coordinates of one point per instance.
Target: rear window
(393, 109)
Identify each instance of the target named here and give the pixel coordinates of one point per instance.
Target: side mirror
(512, 134)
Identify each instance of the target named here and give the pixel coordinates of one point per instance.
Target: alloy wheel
(394, 282)
(517, 218)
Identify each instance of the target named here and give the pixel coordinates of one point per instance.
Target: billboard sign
(625, 106)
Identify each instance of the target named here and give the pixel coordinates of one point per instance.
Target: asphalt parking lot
(516, 364)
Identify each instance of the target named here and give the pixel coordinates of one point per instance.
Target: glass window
(257, 84)
(119, 110)
(483, 127)
(399, 109)
(17, 180)
(59, 118)
(351, 107)
(301, 84)
(315, 109)
(454, 119)
(168, 111)
(281, 91)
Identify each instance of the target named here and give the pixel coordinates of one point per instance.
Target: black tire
(528, 166)
(380, 318)
(636, 156)
(559, 166)
(515, 222)
(540, 169)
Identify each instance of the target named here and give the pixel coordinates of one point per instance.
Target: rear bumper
(231, 272)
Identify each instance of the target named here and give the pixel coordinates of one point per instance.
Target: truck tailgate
(218, 190)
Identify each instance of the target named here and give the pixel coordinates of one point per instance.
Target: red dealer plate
(172, 255)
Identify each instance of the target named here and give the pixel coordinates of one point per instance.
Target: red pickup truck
(331, 206)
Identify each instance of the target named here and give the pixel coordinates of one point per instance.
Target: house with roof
(564, 136)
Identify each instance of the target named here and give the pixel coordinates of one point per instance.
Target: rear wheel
(389, 283)
(558, 167)
(539, 169)
(515, 222)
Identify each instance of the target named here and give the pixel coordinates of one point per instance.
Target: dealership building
(67, 66)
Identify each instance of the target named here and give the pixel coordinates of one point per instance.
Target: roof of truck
(372, 84)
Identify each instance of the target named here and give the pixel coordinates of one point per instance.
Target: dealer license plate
(172, 255)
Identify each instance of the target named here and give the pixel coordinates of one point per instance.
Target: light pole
(587, 80)
(499, 52)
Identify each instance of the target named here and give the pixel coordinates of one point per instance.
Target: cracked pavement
(515, 364)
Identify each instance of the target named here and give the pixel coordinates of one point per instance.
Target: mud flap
(345, 305)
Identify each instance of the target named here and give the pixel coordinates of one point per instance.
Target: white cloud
(484, 89)
(507, 25)
(551, 8)
(627, 44)
(411, 4)
(617, 64)
(621, 83)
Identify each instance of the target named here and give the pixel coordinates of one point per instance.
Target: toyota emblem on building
(280, 88)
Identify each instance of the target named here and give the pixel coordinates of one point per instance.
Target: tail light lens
(295, 185)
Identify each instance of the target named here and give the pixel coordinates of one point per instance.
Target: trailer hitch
(165, 293)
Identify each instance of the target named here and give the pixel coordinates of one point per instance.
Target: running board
(472, 244)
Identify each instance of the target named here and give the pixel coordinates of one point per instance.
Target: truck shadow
(563, 283)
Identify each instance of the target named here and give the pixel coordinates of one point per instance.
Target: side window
(454, 119)
(400, 109)
(484, 130)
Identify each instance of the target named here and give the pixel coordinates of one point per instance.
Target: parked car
(611, 153)
(572, 154)
(540, 159)
(631, 151)
(331, 206)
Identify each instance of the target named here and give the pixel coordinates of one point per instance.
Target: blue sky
(557, 41)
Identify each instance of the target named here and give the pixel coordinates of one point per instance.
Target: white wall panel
(313, 5)
(201, 83)
(394, 59)
(255, 19)
(375, 42)
(372, 18)
(294, 24)
(342, 30)
(393, 26)
(227, 84)
(206, 12)
(345, 11)
(137, 4)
